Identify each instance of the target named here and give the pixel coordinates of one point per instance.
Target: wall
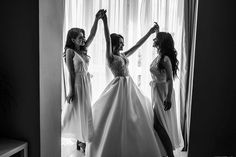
(19, 64)
(33, 72)
(213, 129)
(51, 47)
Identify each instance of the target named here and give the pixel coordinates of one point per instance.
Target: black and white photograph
(117, 78)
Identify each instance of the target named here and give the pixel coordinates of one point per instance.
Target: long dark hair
(72, 34)
(115, 40)
(166, 45)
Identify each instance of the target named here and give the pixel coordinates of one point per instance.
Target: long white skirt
(77, 120)
(123, 123)
(167, 118)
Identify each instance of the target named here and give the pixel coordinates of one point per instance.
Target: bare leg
(163, 136)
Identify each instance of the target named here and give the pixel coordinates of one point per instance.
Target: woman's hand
(167, 104)
(104, 17)
(155, 28)
(100, 13)
(70, 97)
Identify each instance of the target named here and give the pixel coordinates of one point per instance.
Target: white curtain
(187, 66)
(132, 19)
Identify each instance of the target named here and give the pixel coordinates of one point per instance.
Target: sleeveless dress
(123, 119)
(77, 121)
(159, 90)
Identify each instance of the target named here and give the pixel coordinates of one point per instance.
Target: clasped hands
(101, 14)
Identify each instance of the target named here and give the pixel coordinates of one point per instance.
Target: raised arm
(109, 54)
(141, 41)
(94, 28)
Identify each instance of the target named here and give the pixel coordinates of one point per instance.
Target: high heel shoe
(81, 146)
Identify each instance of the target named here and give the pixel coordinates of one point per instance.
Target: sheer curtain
(187, 66)
(132, 19)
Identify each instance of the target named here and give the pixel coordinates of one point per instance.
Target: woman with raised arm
(163, 70)
(77, 119)
(123, 116)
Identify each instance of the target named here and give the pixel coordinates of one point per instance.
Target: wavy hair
(73, 34)
(166, 45)
(115, 40)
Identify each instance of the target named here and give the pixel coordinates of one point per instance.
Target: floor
(68, 149)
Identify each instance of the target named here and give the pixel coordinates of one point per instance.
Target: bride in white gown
(123, 116)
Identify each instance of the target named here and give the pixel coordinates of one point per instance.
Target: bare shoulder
(166, 59)
(70, 52)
